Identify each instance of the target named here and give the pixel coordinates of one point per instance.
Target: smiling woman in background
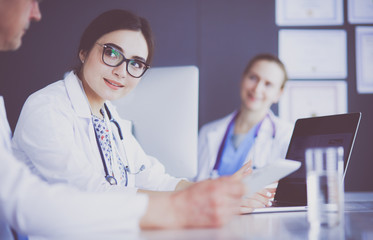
(251, 133)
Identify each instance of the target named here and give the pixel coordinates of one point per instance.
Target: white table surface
(358, 224)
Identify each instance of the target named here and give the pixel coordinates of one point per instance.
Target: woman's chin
(252, 106)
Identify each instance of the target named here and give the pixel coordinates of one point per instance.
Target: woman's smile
(113, 84)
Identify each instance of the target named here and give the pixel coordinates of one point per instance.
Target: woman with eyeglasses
(69, 132)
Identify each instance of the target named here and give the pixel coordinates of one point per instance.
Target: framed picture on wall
(314, 54)
(364, 59)
(309, 13)
(302, 99)
(360, 11)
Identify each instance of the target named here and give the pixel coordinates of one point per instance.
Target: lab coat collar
(80, 104)
(216, 135)
(5, 132)
(77, 96)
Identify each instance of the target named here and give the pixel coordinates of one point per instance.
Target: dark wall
(219, 36)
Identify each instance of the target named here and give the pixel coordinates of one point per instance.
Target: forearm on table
(182, 184)
(161, 212)
(209, 203)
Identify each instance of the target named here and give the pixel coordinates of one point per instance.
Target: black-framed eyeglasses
(114, 58)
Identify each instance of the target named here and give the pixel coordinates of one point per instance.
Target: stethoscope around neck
(221, 148)
(110, 178)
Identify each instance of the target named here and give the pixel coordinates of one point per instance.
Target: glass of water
(325, 188)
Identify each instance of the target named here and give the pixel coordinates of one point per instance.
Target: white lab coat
(55, 138)
(37, 209)
(265, 148)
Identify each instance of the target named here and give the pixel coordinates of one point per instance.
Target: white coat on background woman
(266, 147)
(251, 133)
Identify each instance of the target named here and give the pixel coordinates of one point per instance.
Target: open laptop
(325, 131)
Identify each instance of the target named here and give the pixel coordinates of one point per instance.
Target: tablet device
(271, 173)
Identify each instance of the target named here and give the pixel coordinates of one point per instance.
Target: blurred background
(217, 36)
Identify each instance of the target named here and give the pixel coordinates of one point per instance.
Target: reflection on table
(358, 224)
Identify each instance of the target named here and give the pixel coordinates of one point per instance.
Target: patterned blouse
(115, 168)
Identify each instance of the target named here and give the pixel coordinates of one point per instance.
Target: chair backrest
(164, 111)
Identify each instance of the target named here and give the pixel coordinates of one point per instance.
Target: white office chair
(164, 111)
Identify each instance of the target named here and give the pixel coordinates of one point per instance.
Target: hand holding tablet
(273, 172)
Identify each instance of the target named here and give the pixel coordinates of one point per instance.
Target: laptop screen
(326, 131)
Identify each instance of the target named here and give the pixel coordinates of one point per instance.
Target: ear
(82, 56)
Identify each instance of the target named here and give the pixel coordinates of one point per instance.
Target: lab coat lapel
(216, 136)
(266, 130)
(124, 144)
(126, 147)
(81, 107)
(263, 143)
(5, 132)
(77, 96)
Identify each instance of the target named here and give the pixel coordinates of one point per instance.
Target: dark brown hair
(111, 21)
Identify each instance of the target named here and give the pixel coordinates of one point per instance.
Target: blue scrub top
(232, 159)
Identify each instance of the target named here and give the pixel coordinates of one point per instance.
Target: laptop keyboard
(285, 204)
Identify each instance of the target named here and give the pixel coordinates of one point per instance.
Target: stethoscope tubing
(111, 179)
(221, 147)
(111, 119)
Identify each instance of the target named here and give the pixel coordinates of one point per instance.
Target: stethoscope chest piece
(111, 180)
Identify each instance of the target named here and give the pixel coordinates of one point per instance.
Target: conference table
(358, 224)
